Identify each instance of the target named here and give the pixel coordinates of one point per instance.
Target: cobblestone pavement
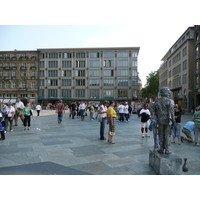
(73, 147)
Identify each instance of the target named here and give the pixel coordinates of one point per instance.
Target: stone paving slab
(75, 144)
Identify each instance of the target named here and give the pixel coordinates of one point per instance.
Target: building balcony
(7, 67)
(33, 67)
(1, 68)
(23, 67)
(1, 77)
(13, 67)
(6, 77)
(14, 58)
(33, 77)
(7, 58)
(23, 57)
(1, 58)
(13, 77)
(22, 89)
(33, 57)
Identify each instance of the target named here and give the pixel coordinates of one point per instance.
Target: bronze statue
(163, 115)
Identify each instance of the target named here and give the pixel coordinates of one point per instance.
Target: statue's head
(165, 92)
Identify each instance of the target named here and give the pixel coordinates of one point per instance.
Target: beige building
(18, 75)
(90, 74)
(177, 70)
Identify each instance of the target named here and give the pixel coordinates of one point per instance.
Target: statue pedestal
(165, 164)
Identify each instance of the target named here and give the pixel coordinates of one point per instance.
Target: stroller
(2, 125)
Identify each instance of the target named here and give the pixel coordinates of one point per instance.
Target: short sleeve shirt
(111, 111)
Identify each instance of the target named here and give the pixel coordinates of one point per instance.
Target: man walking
(59, 110)
(19, 105)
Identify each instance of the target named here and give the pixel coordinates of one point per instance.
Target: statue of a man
(163, 114)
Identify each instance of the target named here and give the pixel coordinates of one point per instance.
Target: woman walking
(9, 116)
(27, 115)
(111, 116)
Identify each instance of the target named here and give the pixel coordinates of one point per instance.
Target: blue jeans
(60, 117)
(102, 128)
(155, 135)
(177, 130)
(126, 116)
(73, 113)
(82, 113)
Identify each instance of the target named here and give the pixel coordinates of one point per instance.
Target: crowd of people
(108, 112)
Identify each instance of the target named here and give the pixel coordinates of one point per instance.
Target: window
(80, 93)
(94, 93)
(123, 82)
(94, 54)
(177, 70)
(184, 78)
(197, 50)
(197, 66)
(134, 54)
(122, 63)
(66, 55)
(94, 73)
(1, 84)
(134, 63)
(53, 73)
(185, 65)
(185, 51)
(122, 54)
(7, 85)
(33, 73)
(176, 58)
(66, 64)
(33, 85)
(41, 64)
(53, 64)
(66, 82)
(80, 55)
(80, 73)
(66, 93)
(80, 63)
(23, 85)
(122, 72)
(23, 95)
(134, 82)
(108, 93)
(67, 73)
(94, 63)
(42, 55)
(109, 54)
(108, 63)
(123, 93)
(108, 72)
(80, 82)
(108, 82)
(52, 93)
(41, 93)
(53, 55)
(41, 82)
(94, 82)
(41, 73)
(53, 82)
(13, 73)
(134, 72)
(14, 85)
(23, 73)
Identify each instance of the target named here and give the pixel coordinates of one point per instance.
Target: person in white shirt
(9, 116)
(82, 108)
(126, 111)
(121, 112)
(19, 105)
(38, 109)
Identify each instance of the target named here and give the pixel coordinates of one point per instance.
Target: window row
(122, 54)
(15, 85)
(92, 82)
(14, 73)
(92, 73)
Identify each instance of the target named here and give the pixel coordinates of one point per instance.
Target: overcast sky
(154, 26)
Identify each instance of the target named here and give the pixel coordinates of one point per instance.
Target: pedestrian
(19, 105)
(2, 125)
(126, 111)
(60, 109)
(27, 115)
(139, 108)
(9, 116)
(145, 116)
(2, 108)
(196, 119)
(102, 118)
(38, 109)
(82, 108)
(111, 116)
(121, 112)
(177, 127)
(91, 110)
(73, 109)
(187, 129)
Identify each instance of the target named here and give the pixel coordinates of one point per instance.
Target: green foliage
(152, 87)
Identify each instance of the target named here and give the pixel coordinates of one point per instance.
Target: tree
(152, 87)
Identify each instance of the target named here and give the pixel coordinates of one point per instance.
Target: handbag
(100, 119)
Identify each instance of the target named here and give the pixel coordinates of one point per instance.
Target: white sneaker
(143, 136)
(147, 135)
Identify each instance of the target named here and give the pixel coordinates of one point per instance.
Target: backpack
(1, 126)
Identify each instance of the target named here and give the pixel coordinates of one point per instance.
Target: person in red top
(60, 108)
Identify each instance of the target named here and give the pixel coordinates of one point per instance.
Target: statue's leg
(167, 134)
(161, 139)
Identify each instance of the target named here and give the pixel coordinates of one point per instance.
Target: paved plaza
(74, 148)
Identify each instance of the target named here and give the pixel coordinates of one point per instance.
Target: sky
(154, 26)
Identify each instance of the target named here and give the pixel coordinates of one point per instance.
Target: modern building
(89, 74)
(18, 75)
(177, 70)
(197, 64)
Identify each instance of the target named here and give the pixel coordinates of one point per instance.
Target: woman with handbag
(27, 115)
(9, 116)
(102, 119)
(111, 116)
